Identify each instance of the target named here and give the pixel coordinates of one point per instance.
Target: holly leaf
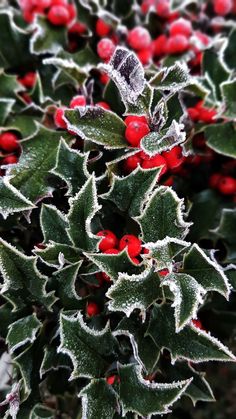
(88, 348)
(53, 360)
(114, 264)
(206, 272)
(130, 192)
(145, 398)
(228, 54)
(64, 283)
(188, 295)
(37, 159)
(47, 38)
(164, 251)
(228, 91)
(9, 85)
(215, 138)
(6, 106)
(98, 125)
(163, 216)
(22, 331)
(98, 400)
(190, 343)
(156, 142)
(23, 284)
(53, 225)
(11, 200)
(57, 254)
(40, 411)
(134, 292)
(83, 207)
(226, 226)
(173, 78)
(214, 67)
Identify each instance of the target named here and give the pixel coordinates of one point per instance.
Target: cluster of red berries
(224, 184)
(58, 12)
(9, 148)
(162, 7)
(200, 113)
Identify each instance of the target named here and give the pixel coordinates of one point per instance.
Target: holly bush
(118, 191)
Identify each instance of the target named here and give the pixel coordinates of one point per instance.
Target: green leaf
(228, 91)
(22, 331)
(56, 254)
(134, 292)
(114, 264)
(9, 85)
(64, 282)
(145, 350)
(190, 343)
(227, 225)
(23, 284)
(188, 295)
(71, 166)
(206, 272)
(53, 225)
(11, 200)
(164, 251)
(172, 78)
(98, 125)
(229, 55)
(154, 142)
(216, 135)
(83, 207)
(163, 216)
(145, 398)
(130, 192)
(42, 412)
(5, 109)
(214, 67)
(24, 123)
(53, 360)
(88, 348)
(99, 400)
(47, 38)
(37, 159)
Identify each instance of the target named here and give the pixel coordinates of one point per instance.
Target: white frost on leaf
(161, 251)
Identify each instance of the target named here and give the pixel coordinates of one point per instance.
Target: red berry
(58, 118)
(135, 118)
(131, 163)
(202, 37)
(72, 12)
(135, 261)
(159, 45)
(163, 272)
(177, 44)
(105, 48)
(145, 55)
(155, 161)
(104, 78)
(193, 114)
(112, 379)
(139, 38)
(135, 131)
(79, 100)
(8, 141)
(58, 15)
(28, 80)
(227, 185)
(169, 181)
(92, 309)
(28, 16)
(103, 105)
(146, 251)
(102, 28)
(77, 28)
(59, 2)
(214, 180)
(109, 240)
(132, 243)
(163, 8)
(222, 7)
(174, 157)
(207, 115)
(9, 160)
(181, 26)
(197, 323)
(111, 252)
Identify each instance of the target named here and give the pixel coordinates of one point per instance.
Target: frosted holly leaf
(114, 264)
(6, 106)
(229, 50)
(23, 123)
(172, 78)
(47, 38)
(188, 296)
(53, 225)
(52, 360)
(98, 125)
(23, 284)
(144, 398)
(206, 272)
(22, 332)
(180, 4)
(9, 86)
(175, 110)
(163, 216)
(57, 255)
(154, 142)
(190, 343)
(89, 349)
(145, 350)
(228, 92)
(215, 138)
(227, 225)
(38, 157)
(74, 66)
(71, 166)
(132, 292)
(215, 68)
(24, 362)
(11, 200)
(41, 411)
(199, 389)
(99, 400)
(14, 36)
(83, 207)
(130, 192)
(64, 283)
(164, 251)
